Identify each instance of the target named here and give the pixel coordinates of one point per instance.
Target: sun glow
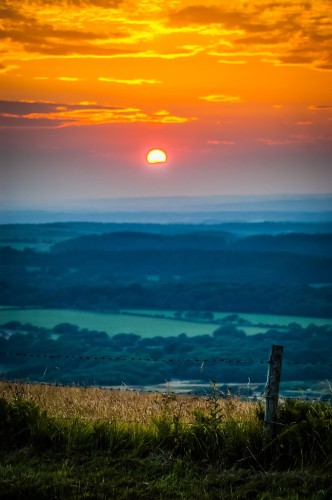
(156, 156)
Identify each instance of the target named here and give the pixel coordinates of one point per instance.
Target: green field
(274, 319)
(141, 323)
(253, 318)
(110, 323)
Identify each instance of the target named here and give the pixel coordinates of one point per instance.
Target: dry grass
(120, 405)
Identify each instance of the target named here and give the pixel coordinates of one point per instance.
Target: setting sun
(156, 156)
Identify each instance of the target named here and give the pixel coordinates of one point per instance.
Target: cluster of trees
(194, 265)
(310, 244)
(249, 355)
(293, 300)
(177, 269)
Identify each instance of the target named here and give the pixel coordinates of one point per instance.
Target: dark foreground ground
(25, 475)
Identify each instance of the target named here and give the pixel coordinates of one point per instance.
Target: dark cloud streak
(26, 107)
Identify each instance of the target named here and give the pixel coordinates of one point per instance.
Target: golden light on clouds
(20, 113)
(69, 79)
(221, 98)
(174, 64)
(134, 81)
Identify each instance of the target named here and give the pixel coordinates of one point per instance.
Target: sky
(238, 94)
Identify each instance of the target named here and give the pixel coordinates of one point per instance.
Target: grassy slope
(64, 455)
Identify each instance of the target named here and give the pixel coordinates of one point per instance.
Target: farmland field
(144, 322)
(110, 323)
(253, 318)
(274, 319)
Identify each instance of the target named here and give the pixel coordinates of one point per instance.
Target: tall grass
(125, 406)
(205, 430)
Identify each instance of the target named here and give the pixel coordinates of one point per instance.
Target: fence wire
(157, 360)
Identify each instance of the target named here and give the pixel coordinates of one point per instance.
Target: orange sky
(238, 94)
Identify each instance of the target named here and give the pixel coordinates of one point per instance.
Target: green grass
(48, 457)
(159, 476)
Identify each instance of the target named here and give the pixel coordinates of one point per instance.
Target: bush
(306, 433)
(17, 421)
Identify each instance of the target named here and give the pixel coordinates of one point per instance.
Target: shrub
(305, 436)
(17, 421)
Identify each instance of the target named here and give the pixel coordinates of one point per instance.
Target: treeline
(249, 355)
(181, 267)
(245, 298)
(311, 244)
(136, 257)
(137, 265)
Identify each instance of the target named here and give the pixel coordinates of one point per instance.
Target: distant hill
(178, 209)
(132, 241)
(311, 244)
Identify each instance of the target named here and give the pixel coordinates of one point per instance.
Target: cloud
(326, 107)
(56, 115)
(294, 140)
(295, 59)
(258, 40)
(230, 61)
(221, 98)
(202, 14)
(284, 33)
(105, 4)
(5, 68)
(10, 7)
(276, 142)
(217, 142)
(244, 18)
(324, 66)
(134, 81)
(69, 79)
(8, 12)
(35, 35)
(296, 33)
(113, 35)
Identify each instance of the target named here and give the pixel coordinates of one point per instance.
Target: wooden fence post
(272, 391)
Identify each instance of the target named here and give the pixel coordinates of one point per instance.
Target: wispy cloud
(221, 98)
(69, 79)
(231, 61)
(295, 139)
(5, 68)
(217, 142)
(51, 114)
(133, 81)
(326, 107)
